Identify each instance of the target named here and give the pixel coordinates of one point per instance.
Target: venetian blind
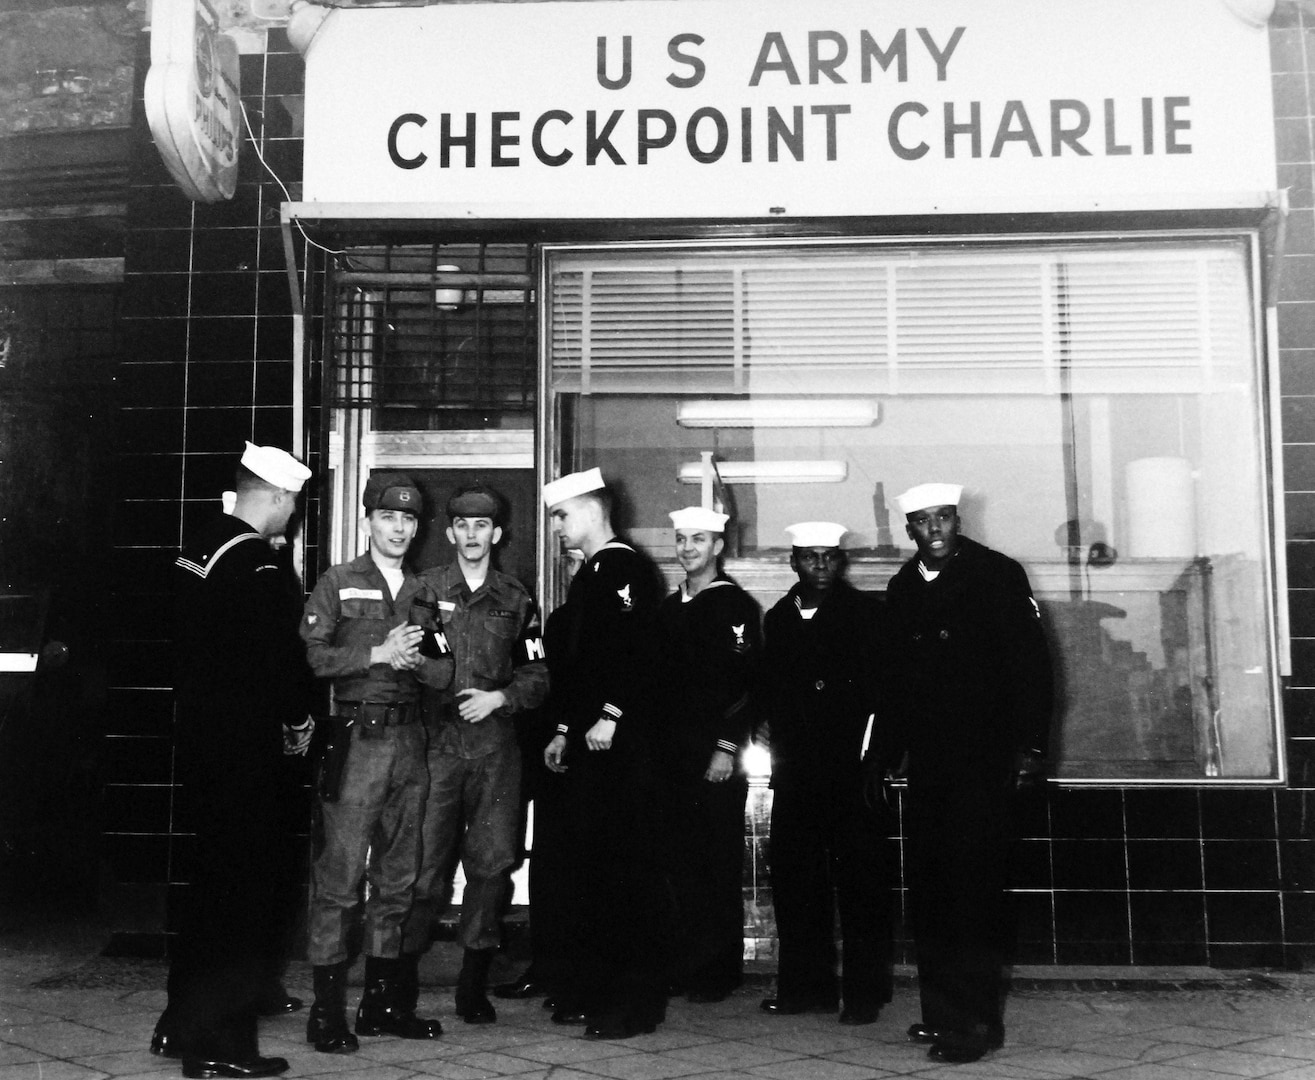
(1097, 318)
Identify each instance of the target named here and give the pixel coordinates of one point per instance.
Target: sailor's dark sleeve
(732, 658)
(620, 654)
(1030, 680)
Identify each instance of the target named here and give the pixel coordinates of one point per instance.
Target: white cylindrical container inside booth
(1161, 508)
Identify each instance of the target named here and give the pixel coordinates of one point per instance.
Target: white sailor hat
(699, 517)
(571, 485)
(275, 466)
(815, 534)
(925, 495)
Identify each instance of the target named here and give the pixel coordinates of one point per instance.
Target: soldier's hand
(400, 649)
(599, 737)
(477, 705)
(554, 752)
(407, 661)
(720, 767)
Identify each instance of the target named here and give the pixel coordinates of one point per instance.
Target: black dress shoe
(857, 1015)
(705, 995)
(476, 1009)
(921, 1033)
(165, 1044)
(618, 1028)
(519, 988)
(280, 1005)
(787, 1006)
(569, 1014)
(199, 1069)
(958, 1047)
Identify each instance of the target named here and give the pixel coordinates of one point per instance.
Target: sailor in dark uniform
(823, 654)
(602, 698)
(242, 693)
(710, 644)
(975, 697)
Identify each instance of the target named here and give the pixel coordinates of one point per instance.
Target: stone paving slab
(78, 1017)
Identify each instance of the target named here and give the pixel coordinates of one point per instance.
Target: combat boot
(327, 1027)
(383, 1010)
(473, 1005)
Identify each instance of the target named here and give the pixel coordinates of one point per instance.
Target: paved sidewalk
(67, 1013)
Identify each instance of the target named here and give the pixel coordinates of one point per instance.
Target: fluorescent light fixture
(778, 412)
(768, 472)
(18, 661)
(448, 299)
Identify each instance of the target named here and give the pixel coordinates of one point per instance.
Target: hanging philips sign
(192, 98)
(760, 108)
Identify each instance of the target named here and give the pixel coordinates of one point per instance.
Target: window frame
(1264, 375)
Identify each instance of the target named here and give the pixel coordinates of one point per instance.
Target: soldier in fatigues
(975, 697)
(603, 702)
(710, 643)
(241, 690)
(364, 630)
(492, 626)
(824, 651)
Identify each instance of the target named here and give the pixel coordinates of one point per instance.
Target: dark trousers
(704, 831)
(959, 837)
(377, 815)
(234, 917)
(550, 880)
(618, 909)
(473, 809)
(827, 854)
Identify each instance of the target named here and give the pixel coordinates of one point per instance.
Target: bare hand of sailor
(554, 752)
(296, 739)
(599, 737)
(720, 767)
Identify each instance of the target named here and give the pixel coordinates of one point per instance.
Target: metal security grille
(435, 337)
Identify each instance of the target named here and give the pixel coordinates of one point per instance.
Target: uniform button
(820, 684)
(945, 635)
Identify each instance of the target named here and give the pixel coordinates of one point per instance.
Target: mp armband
(434, 644)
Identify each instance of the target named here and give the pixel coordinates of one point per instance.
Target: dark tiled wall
(207, 363)
(1135, 876)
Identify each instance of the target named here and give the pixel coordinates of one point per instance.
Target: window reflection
(1099, 402)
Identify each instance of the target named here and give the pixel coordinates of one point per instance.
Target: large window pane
(1099, 401)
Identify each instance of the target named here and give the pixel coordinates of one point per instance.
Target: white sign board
(771, 108)
(193, 98)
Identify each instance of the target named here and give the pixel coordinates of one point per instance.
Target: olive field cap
(392, 491)
(475, 501)
(926, 495)
(699, 517)
(815, 534)
(275, 466)
(571, 485)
